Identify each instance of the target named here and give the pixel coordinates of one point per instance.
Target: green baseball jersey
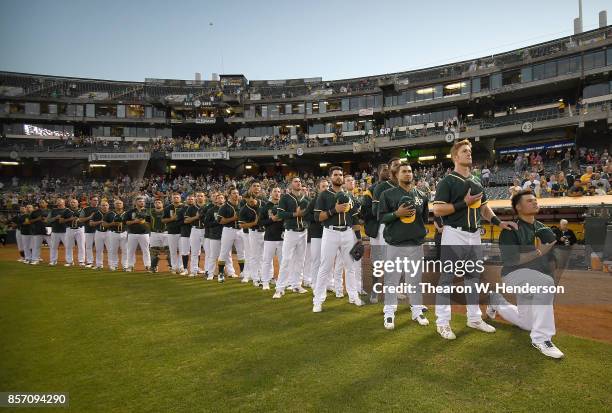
(85, 212)
(248, 214)
(173, 227)
(56, 226)
(135, 214)
(408, 230)
(523, 240)
(274, 229)
(73, 213)
(371, 223)
(211, 223)
(453, 188)
(289, 204)
(378, 191)
(203, 211)
(315, 229)
(156, 220)
(326, 201)
(26, 227)
(99, 216)
(38, 227)
(228, 210)
(118, 218)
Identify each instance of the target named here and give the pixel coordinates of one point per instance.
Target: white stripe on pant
(195, 245)
(133, 241)
(56, 238)
(292, 264)
(331, 242)
(271, 248)
(392, 279)
(101, 240)
(117, 240)
(75, 235)
(533, 312)
(89, 247)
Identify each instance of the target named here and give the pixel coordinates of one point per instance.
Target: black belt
(341, 229)
(257, 230)
(296, 230)
(466, 229)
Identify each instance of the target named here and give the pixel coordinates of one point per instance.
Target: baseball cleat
(210, 278)
(549, 349)
(33, 262)
(184, 272)
(482, 326)
(265, 286)
(200, 272)
(446, 332)
(373, 297)
(422, 320)
(52, 264)
(300, 290)
(233, 276)
(89, 266)
(128, 269)
(389, 322)
(112, 268)
(244, 280)
(192, 274)
(68, 264)
(357, 301)
(278, 294)
(339, 295)
(317, 308)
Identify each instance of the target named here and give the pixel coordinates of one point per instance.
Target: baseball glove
(357, 251)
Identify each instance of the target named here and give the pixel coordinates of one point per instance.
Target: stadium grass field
(130, 342)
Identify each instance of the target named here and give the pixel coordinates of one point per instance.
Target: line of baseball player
(311, 238)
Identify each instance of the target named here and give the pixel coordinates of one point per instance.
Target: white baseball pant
(315, 259)
(36, 245)
(133, 241)
(173, 249)
(533, 312)
(206, 248)
(392, 279)
(306, 275)
(19, 239)
(254, 259)
(75, 235)
(56, 238)
(183, 247)
(271, 248)
(158, 239)
(26, 244)
(292, 264)
(246, 242)
(331, 242)
(212, 255)
(89, 247)
(195, 245)
(117, 240)
(456, 237)
(229, 237)
(101, 240)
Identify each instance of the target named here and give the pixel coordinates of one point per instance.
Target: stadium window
(298, 108)
(452, 89)
(526, 74)
(599, 89)
(550, 69)
(288, 109)
(575, 64)
(388, 101)
(609, 56)
(354, 103)
(16, 108)
(538, 72)
(563, 66)
(485, 83)
(370, 101)
(362, 102)
(511, 77)
(439, 91)
(334, 106)
(476, 85)
(378, 101)
(135, 111)
(425, 93)
(594, 60)
(496, 81)
(465, 87)
(322, 107)
(309, 108)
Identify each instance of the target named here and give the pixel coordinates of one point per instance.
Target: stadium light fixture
(9, 163)
(448, 156)
(403, 159)
(172, 167)
(97, 165)
(454, 86)
(425, 91)
(427, 158)
(248, 167)
(323, 164)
